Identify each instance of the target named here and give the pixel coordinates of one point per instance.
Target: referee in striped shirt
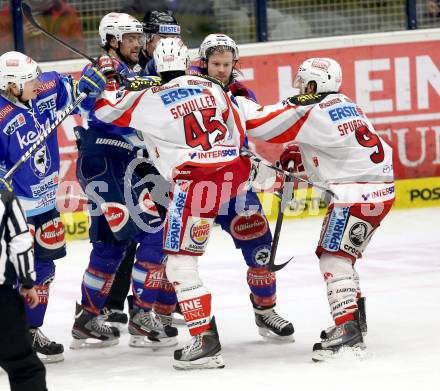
(25, 370)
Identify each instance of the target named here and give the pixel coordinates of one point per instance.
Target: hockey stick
(45, 134)
(286, 189)
(27, 12)
(287, 174)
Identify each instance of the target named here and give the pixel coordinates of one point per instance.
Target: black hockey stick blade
(27, 12)
(275, 268)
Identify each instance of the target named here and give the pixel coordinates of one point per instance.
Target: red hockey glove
(109, 66)
(291, 154)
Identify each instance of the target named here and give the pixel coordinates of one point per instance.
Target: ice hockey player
(104, 156)
(21, 363)
(29, 102)
(197, 131)
(339, 148)
(156, 24)
(244, 218)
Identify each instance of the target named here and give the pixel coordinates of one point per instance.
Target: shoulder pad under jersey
(308, 99)
(139, 83)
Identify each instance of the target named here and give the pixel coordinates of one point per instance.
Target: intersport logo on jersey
(213, 154)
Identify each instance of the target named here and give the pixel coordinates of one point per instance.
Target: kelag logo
(425, 194)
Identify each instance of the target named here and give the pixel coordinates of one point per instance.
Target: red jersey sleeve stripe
(291, 133)
(125, 119)
(255, 123)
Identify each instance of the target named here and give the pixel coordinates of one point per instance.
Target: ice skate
(203, 351)
(272, 326)
(89, 331)
(48, 351)
(114, 318)
(167, 323)
(362, 320)
(343, 340)
(148, 332)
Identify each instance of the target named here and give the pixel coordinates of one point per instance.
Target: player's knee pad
(341, 287)
(107, 257)
(150, 247)
(182, 269)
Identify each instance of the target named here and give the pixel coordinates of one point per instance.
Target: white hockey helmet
(171, 54)
(117, 24)
(218, 40)
(325, 72)
(16, 67)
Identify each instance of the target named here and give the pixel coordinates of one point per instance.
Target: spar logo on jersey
(48, 104)
(51, 234)
(335, 229)
(199, 232)
(344, 112)
(41, 162)
(180, 94)
(248, 226)
(175, 213)
(213, 154)
(116, 215)
(147, 204)
(45, 185)
(17, 122)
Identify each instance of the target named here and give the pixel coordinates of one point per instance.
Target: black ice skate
(114, 318)
(362, 320)
(343, 339)
(89, 331)
(148, 332)
(272, 326)
(167, 323)
(47, 350)
(203, 351)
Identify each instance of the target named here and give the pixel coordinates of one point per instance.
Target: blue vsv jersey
(35, 183)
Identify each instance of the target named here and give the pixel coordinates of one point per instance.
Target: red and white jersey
(189, 121)
(339, 147)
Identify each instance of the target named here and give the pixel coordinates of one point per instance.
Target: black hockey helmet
(160, 22)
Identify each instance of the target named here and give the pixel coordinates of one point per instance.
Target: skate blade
(213, 362)
(51, 359)
(140, 341)
(345, 353)
(92, 343)
(270, 336)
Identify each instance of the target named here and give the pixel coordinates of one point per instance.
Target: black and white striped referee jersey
(16, 252)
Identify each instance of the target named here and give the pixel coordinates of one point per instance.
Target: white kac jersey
(191, 121)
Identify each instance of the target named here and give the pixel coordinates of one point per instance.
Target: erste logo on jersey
(17, 122)
(345, 112)
(48, 104)
(174, 95)
(41, 162)
(248, 226)
(51, 234)
(116, 215)
(147, 204)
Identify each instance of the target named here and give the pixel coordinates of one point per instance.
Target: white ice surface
(400, 276)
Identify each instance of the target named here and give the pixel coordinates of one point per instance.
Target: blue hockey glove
(92, 82)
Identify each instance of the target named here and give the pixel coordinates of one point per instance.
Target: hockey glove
(239, 89)
(291, 154)
(92, 82)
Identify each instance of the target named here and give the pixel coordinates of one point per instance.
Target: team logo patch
(51, 234)
(358, 233)
(199, 231)
(261, 255)
(147, 205)
(116, 215)
(248, 226)
(41, 162)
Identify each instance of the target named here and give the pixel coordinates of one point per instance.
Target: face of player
(30, 90)
(220, 66)
(131, 46)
